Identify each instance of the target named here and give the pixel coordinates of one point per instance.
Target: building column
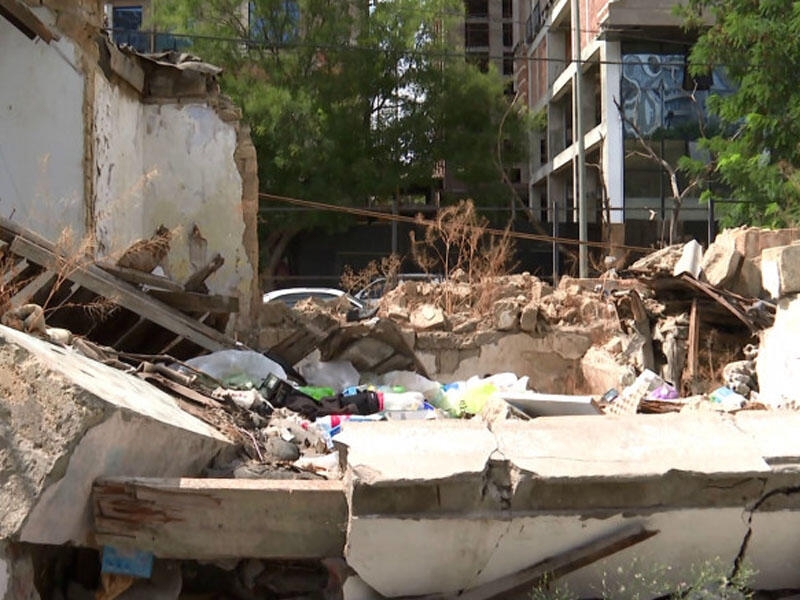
(613, 145)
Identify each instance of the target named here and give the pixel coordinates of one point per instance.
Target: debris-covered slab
(68, 420)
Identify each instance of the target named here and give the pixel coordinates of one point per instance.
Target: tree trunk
(277, 242)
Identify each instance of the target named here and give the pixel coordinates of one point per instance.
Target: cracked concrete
(442, 510)
(68, 420)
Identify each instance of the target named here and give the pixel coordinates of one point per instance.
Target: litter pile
(668, 334)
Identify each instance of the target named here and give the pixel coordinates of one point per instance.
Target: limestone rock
(528, 317)
(506, 315)
(721, 263)
(780, 270)
(428, 316)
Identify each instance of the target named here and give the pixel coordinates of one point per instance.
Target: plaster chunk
(427, 316)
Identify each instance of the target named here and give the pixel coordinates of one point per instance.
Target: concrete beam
(211, 519)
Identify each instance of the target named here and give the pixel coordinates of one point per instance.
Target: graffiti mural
(656, 94)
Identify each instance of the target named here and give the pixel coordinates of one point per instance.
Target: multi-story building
(488, 39)
(634, 79)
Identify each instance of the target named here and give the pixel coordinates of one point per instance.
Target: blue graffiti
(657, 94)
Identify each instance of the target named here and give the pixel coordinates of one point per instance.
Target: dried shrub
(458, 244)
(388, 267)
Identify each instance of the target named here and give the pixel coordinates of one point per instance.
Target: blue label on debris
(127, 562)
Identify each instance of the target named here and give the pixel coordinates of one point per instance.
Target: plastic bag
(336, 374)
(237, 368)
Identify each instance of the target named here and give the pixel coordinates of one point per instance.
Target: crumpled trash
(28, 318)
(664, 392)
(726, 399)
(243, 369)
(470, 396)
(336, 374)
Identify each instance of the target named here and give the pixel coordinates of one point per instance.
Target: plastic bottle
(402, 401)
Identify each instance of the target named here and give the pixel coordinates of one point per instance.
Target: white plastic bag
(336, 374)
(237, 366)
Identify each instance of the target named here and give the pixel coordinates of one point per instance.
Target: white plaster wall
(120, 176)
(170, 165)
(41, 134)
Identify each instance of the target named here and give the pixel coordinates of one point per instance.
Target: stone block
(448, 361)
(528, 317)
(748, 283)
(67, 420)
(428, 316)
(506, 315)
(721, 263)
(780, 270)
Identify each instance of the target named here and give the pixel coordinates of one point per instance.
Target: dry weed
(388, 267)
(458, 244)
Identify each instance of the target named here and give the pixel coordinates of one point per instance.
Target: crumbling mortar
(787, 491)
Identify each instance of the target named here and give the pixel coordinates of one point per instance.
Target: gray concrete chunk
(67, 420)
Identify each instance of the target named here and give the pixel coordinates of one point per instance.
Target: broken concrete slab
(720, 263)
(367, 450)
(66, 421)
(780, 270)
(550, 485)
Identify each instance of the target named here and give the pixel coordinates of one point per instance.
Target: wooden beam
(23, 18)
(197, 278)
(25, 295)
(140, 277)
(95, 279)
(199, 303)
(14, 271)
(222, 518)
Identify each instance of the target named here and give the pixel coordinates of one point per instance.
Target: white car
(291, 296)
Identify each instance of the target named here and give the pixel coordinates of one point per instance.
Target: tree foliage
(351, 102)
(757, 152)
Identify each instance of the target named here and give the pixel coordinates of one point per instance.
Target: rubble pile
(658, 337)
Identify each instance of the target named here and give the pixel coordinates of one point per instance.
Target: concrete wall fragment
(68, 420)
(106, 146)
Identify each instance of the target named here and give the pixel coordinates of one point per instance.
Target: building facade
(635, 91)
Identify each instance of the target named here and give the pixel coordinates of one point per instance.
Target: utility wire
(432, 54)
(374, 214)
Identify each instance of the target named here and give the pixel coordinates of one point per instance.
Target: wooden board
(103, 284)
(221, 518)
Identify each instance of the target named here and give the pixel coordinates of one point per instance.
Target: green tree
(353, 102)
(757, 151)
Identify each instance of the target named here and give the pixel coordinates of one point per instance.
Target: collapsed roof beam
(21, 17)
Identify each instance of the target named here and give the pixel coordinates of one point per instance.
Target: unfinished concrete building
(632, 54)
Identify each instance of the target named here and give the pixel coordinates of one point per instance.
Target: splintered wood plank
(140, 277)
(200, 303)
(220, 518)
(24, 296)
(100, 282)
